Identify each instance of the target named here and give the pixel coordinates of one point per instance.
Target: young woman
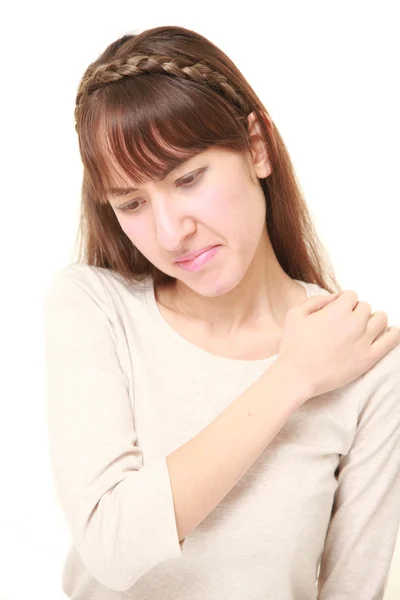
(221, 423)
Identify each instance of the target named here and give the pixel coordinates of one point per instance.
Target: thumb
(317, 302)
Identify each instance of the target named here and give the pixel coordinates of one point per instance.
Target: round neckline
(190, 347)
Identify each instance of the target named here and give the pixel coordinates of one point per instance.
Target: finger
(317, 302)
(385, 342)
(376, 324)
(363, 312)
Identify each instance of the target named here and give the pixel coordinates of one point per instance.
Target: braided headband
(96, 76)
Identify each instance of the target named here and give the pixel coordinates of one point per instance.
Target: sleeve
(365, 518)
(121, 514)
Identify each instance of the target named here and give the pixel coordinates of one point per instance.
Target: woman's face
(214, 198)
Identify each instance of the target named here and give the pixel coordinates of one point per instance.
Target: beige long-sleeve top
(125, 390)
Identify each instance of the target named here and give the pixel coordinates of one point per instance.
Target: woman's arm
(126, 518)
(207, 467)
(366, 512)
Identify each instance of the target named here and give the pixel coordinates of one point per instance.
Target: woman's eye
(131, 206)
(189, 179)
(184, 182)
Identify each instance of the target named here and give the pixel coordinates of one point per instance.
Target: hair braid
(98, 75)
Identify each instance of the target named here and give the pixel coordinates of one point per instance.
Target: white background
(328, 73)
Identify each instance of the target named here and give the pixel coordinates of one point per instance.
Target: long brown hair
(156, 98)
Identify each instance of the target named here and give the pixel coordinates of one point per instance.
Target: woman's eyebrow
(117, 192)
(123, 191)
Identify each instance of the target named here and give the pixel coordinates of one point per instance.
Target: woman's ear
(259, 152)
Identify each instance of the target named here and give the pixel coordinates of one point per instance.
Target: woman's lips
(197, 263)
(194, 254)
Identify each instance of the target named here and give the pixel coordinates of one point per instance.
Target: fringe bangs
(132, 132)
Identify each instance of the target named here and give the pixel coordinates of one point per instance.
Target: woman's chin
(211, 286)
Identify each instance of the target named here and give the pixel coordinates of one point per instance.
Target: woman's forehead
(130, 173)
(119, 177)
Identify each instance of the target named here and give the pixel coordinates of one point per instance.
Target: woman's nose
(172, 224)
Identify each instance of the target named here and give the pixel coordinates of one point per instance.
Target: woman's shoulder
(312, 288)
(383, 378)
(80, 280)
(379, 391)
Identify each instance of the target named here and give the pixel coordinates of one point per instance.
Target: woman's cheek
(223, 205)
(125, 226)
(213, 204)
(129, 228)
